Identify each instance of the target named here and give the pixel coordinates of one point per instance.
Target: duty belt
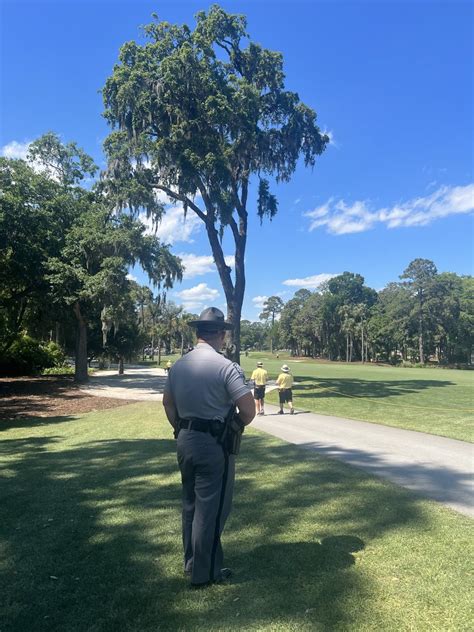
(201, 425)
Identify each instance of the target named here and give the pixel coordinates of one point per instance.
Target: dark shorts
(285, 395)
(259, 392)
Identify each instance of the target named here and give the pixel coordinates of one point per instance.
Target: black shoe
(224, 575)
(280, 412)
(292, 411)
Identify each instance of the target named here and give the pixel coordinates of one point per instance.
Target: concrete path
(435, 467)
(137, 383)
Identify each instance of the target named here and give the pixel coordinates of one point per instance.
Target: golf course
(429, 400)
(91, 521)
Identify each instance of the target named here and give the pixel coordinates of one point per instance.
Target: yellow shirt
(260, 376)
(284, 380)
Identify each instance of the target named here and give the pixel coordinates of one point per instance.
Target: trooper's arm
(170, 409)
(246, 406)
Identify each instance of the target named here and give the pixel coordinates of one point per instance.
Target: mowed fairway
(90, 538)
(428, 400)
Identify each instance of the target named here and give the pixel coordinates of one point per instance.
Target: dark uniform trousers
(207, 475)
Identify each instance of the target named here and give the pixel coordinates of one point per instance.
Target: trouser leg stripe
(218, 517)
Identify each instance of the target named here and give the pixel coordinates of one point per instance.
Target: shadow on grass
(330, 387)
(33, 422)
(92, 538)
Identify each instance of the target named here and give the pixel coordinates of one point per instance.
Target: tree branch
(184, 199)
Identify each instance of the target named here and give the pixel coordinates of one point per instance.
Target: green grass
(428, 400)
(90, 538)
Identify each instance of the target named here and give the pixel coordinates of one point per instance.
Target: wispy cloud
(197, 265)
(15, 150)
(258, 301)
(174, 227)
(310, 282)
(330, 134)
(340, 218)
(197, 297)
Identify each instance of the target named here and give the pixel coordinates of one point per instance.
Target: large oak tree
(198, 113)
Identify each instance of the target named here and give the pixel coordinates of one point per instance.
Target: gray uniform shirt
(205, 384)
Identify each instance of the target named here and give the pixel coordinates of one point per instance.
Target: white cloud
(310, 282)
(197, 297)
(130, 277)
(340, 218)
(330, 134)
(197, 265)
(14, 149)
(258, 301)
(174, 226)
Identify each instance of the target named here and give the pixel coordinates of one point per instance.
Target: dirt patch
(49, 396)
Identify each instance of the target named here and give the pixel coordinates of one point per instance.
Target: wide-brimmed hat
(259, 363)
(285, 368)
(211, 318)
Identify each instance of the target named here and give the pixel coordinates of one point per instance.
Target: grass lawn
(90, 538)
(436, 401)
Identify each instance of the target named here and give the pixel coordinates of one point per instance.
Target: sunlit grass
(90, 536)
(429, 400)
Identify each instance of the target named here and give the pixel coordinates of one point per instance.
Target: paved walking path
(137, 383)
(435, 467)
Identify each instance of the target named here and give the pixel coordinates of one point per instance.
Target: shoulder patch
(239, 370)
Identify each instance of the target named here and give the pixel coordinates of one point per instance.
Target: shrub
(59, 370)
(56, 354)
(27, 356)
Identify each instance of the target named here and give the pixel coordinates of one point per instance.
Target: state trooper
(201, 388)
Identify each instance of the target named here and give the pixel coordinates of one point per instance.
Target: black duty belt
(201, 425)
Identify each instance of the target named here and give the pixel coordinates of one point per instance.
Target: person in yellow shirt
(260, 377)
(285, 383)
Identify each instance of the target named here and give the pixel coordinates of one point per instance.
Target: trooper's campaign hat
(211, 319)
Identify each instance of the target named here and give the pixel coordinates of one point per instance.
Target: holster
(231, 436)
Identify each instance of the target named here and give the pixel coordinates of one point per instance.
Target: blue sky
(391, 83)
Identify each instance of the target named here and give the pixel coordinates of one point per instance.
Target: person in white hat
(285, 383)
(260, 377)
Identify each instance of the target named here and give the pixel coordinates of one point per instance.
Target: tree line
(196, 114)
(65, 253)
(424, 316)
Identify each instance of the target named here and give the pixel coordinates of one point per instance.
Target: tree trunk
(420, 336)
(142, 306)
(80, 372)
(120, 366)
(234, 294)
(420, 343)
(159, 350)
